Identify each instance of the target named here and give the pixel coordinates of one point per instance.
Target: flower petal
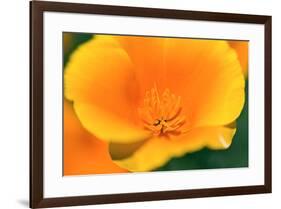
(120, 151)
(157, 151)
(221, 137)
(241, 48)
(84, 153)
(208, 77)
(147, 56)
(108, 126)
(100, 81)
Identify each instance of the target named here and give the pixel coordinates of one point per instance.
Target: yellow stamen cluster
(161, 114)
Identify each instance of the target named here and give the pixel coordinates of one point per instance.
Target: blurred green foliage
(235, 156)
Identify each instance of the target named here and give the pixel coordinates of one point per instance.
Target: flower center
(161, 114)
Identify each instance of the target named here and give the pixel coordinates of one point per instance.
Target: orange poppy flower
(84, 153)
(241, 48)
(153, 99)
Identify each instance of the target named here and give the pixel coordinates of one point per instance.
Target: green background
(235, 156)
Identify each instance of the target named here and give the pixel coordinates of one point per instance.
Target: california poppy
(83, 152)
(242, 49)
(152, 99)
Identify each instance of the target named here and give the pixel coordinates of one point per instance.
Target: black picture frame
(37, 8)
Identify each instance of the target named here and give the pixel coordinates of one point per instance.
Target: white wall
(14, 98)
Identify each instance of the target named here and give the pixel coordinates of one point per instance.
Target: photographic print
(145, 104)
(132, 104)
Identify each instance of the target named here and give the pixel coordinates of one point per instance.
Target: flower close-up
(142, 101)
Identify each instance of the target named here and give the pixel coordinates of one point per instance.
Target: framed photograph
(139, 104)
